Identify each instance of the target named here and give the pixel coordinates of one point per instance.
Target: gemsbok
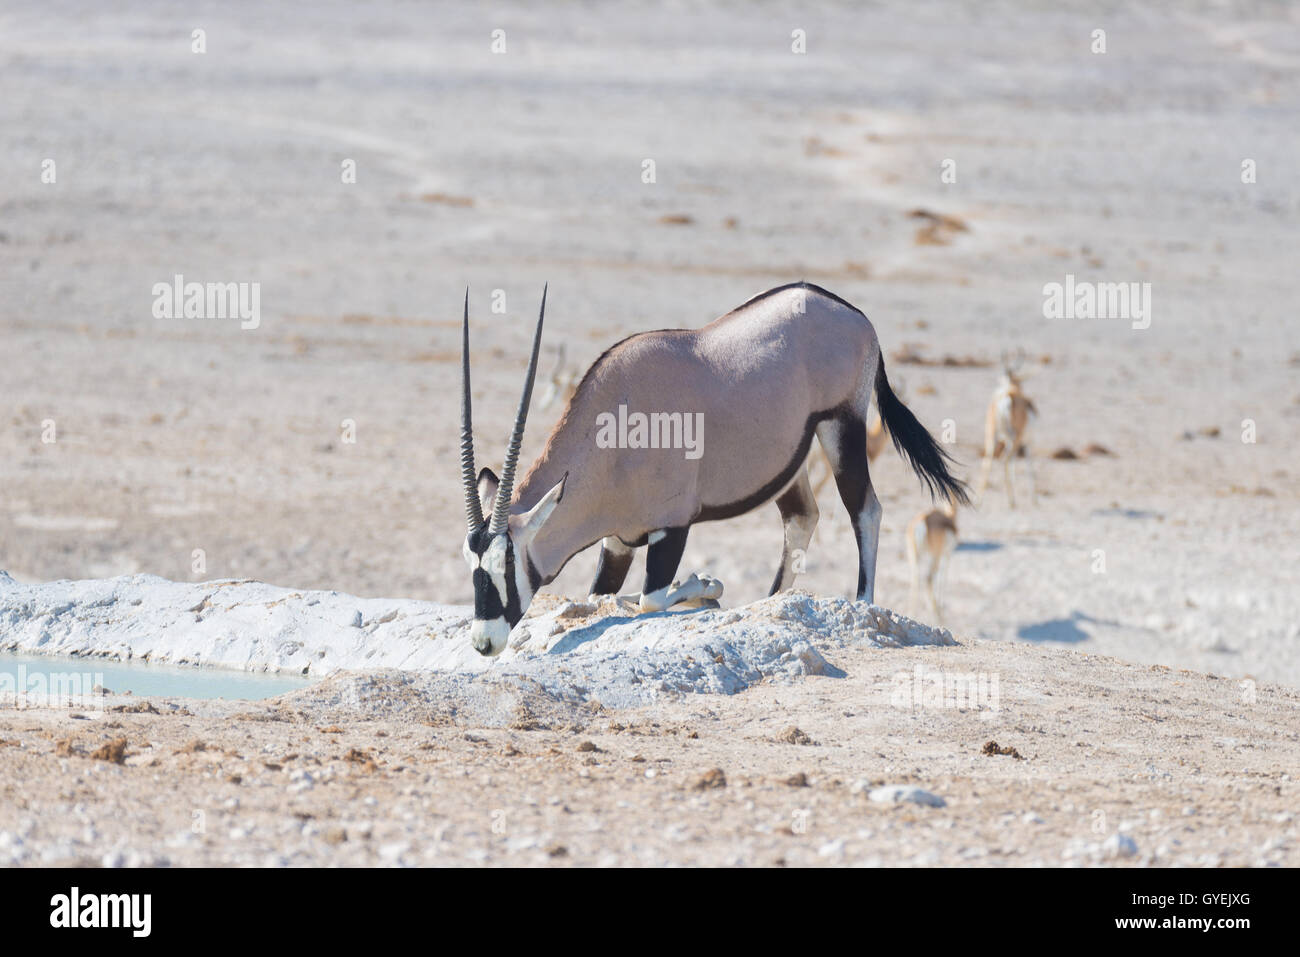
(1005, 427)
(931, 537)
(756, 385)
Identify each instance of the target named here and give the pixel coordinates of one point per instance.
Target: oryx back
(759, 380)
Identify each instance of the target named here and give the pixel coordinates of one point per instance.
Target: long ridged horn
(473, 510)
(501, 509)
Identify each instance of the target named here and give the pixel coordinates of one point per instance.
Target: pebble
(902, 793)
(1119, 845)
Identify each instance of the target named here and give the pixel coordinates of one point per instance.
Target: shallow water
(51, 676)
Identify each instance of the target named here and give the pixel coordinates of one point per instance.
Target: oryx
(765, 378)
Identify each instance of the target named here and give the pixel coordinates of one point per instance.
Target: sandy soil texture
(1113, 764)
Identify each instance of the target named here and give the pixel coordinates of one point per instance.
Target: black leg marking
(848, 457)
(611, 571)
(662, 559)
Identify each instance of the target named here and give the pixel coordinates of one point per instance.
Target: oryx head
(496, 549)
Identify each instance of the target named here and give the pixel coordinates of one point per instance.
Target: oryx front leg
(662, 559)
(695, 588)
(798, 507)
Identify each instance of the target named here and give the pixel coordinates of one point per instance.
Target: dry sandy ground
(505, 171)
(1194, 770)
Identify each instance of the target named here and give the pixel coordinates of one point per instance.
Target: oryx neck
(573, 525)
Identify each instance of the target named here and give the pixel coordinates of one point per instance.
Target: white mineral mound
(601, 649)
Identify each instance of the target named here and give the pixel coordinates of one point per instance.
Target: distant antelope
(931, 535)
(765, 378)
(1005, 427)
(562, 382)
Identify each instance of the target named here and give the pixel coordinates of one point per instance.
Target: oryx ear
(487, 490)
(524, 528)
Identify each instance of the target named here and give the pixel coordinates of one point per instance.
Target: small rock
(576, 609)
(793, 735)
(1119, 845)
(903, 793)
(831, 849)
(992, 749)
(114, 751)
(710, 780)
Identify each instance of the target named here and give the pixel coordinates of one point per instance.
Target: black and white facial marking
(504, 577)
(504, 585)
(496, 548)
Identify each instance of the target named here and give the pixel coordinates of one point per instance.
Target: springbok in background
(1005, 427)
(763, 379)
(931, 535)
(561, 383)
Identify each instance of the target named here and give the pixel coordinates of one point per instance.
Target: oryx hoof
(708, 590)
(712, 588)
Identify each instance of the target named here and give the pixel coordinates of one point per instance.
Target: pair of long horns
(505, 491)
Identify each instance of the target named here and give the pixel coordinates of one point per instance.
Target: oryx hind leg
(845, 440)
(661, 561)
(798, 507)
(611, 572)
